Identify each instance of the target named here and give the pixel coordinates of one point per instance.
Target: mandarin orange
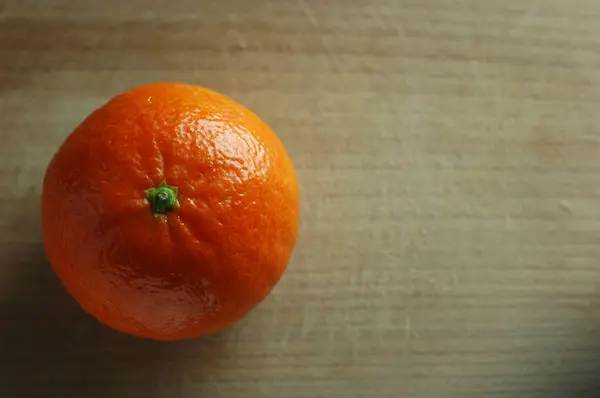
(170, 212)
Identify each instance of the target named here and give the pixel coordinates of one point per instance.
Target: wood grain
(448, 153)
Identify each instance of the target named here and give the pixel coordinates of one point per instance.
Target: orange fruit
(170, 212)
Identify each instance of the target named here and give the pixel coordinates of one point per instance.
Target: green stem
(162, 199)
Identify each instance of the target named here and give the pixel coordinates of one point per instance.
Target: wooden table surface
(448, 155)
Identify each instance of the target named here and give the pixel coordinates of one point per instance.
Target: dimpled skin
(197, 268)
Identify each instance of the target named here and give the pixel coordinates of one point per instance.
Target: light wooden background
(449, 157)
